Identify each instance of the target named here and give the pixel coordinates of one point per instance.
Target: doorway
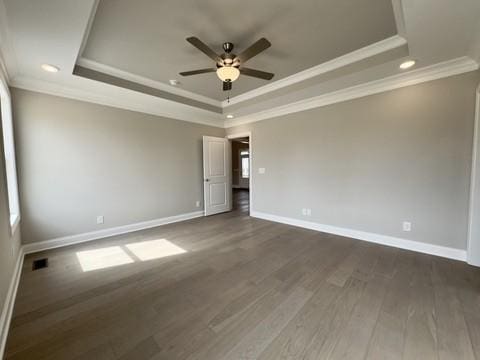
(241, 172)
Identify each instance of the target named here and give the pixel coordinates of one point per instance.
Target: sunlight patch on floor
(154, 249)
(103, 258)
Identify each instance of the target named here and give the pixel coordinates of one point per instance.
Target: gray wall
(9, 245)
(77, 160)
(371, 163)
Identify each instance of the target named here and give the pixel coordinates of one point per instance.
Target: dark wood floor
(247, 289)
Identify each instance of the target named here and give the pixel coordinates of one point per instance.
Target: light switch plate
(261, 170)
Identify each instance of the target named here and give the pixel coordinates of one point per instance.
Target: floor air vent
(39, 264)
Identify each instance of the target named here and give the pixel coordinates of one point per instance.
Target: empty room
(226, 180)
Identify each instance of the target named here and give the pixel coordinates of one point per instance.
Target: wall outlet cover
(197, 204)
(407, 226)
(100, 219)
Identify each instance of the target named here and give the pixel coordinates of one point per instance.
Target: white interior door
(216, 175)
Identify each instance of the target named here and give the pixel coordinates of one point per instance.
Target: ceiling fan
(228, 65)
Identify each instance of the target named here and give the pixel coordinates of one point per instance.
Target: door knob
(207, 180)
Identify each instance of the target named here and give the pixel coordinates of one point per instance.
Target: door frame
(473, 235)
(206, 139)
(250, 151)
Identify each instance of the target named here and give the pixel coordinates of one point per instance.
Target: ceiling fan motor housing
(227, 47)
(228, 64)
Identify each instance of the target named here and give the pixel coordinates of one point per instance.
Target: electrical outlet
(100, 219)
(407, 226)
(197, 204)
(306, 212)
(261, 170)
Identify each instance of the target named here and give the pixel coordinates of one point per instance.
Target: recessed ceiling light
(174, 82)
(229, 116)
(50, 68)
(407, 64)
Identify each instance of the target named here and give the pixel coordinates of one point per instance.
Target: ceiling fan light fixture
(228, 73)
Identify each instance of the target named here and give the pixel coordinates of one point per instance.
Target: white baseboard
(451, 253)
(95, 235)
(7, 310)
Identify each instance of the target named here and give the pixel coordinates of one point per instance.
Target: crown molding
(8, 60)
(88, 28)
(187, 113)
(109, 70)
(474, 50)
(429, 73)
(3, 70)
(344, 60)
(350, 58)
(399, 17)
(122, 99)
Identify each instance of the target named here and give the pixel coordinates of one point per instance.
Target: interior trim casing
(7, 310)
(100, 234)
(344, 60)
(473, 241)
(429, 73)
(93, 65)
(122, 99)
(442, 251)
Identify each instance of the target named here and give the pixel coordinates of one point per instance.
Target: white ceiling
(143, 42)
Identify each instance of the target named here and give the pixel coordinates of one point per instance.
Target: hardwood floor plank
(421, 330)
(251, 346)
(354, 339)
(453, 337)
(251, 289)
(298, 334)
(335, 321)
(387, 340)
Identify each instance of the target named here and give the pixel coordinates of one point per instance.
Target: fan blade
(256, 73)
(205, 49)
(253, 50)
(195, 72)
(227, 85)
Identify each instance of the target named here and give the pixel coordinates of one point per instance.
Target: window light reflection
(116, 255)
(103, 258)
(154, 249)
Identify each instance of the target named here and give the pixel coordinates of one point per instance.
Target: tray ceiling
(147, 38)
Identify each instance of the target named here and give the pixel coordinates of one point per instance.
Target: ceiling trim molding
(96, 66)
(120, 98)
(8, 59)
(86, 34)
(399, 17)
(344, 60)
(429, 73)
(3, 70)
(474, 50)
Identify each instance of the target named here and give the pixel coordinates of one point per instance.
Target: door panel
(216, 175)
(218, 194)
